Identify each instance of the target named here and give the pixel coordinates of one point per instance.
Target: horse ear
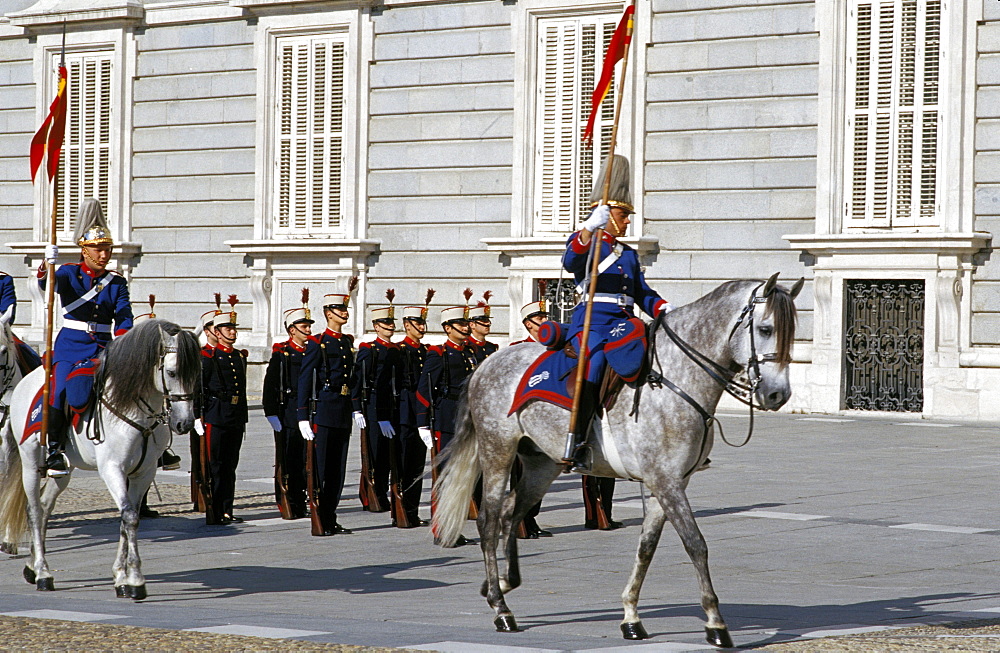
(769, 285)
(794, 292)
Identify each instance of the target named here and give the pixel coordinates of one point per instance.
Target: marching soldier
(620, 286)
(224, 384)
(280, 399)
(413, 453)
(480, 323)
(324, 396)
(532, 316)
(378, 380)
(93, 299)
(446, 369)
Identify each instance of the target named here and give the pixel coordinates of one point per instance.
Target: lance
(50, 268)
(595, 251)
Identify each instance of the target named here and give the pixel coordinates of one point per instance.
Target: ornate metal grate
(560, 298)
(884, 345)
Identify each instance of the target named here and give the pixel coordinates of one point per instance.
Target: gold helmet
(91, 227)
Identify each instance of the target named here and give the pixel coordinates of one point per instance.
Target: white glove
(425, 435)
(274, 422)
(666, 308)
(199, 426)
(51, 253)
(598, 218)
(306, 430)
(387, 429)
(359, 419)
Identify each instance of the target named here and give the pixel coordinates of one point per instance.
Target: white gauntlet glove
(51, 253)
(598, 218)
(275, 422)
(425, 435)
(359, 419)
(306, 430)
(387, 430)
(199, 426)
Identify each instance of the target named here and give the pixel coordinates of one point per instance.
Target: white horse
(694, 352)
(10, 376)
(146, 381)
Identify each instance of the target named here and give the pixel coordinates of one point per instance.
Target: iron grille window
(884, 345)
(560, 298)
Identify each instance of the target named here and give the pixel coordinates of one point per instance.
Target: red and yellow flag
(48, 139)
(616, 51)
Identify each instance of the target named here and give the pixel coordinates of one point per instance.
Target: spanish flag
(616, 51)
(49, 137)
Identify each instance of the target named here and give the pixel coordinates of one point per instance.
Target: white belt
(89, 327)
(608, 298)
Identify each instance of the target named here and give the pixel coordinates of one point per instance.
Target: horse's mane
(779, 303)
(126, 374)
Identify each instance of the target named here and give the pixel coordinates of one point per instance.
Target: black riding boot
(55, 461)
(581, 456)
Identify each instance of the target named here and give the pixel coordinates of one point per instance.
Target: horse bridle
(724, 376)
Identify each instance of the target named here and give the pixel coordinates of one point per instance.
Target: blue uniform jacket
(446, 369)
(378, 379)
(281, 382)
(111, 306)
(224, 384)
(7, 297)
(414, 354)
(330, 359)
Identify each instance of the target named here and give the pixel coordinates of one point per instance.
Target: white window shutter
(308, 131)
(85, 162)
(892, 173)
(570, 56)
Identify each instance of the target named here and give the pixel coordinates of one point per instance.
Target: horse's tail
(13, 500)
(458, 478)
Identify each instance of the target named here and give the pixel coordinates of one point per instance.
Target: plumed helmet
(91, 227)
(620, 192)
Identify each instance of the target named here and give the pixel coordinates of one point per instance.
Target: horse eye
(172, 374)
(765, 331)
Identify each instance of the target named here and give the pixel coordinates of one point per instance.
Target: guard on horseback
(617, 337)
(96, 306)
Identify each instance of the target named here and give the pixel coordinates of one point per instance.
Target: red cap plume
(233, 301)
(352, 283)
(543, 285)
(468, 294)
(152, 302)
(390, 294)
(481, 303)
(305, 296)
(487, 295)
(430, 296)
(218, 300)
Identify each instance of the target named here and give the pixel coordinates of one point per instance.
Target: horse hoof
(505, 624)
(136, 592)
(45, 584)
(718, 637)
(10, 548)
(120, 592)
(634, 630)
(29, 575)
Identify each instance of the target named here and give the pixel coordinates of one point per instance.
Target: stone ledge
(56, 12)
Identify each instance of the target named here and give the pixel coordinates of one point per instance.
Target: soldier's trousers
(597, 493)
(413, 459)
(378, 452)
(331, 470)
(224, 442)
(295, 469)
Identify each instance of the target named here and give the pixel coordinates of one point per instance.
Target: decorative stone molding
(280, 268)
(47, 13)
(943, 261)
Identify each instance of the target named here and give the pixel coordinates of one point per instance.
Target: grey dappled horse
(146, 382)
(662, 445)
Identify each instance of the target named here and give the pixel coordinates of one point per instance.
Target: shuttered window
(893, 114)
(309, 135)
(85, 163)
(570, 56)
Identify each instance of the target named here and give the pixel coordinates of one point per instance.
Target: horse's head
(177, 376)
(761, 341)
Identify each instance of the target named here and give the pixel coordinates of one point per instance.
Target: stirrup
(56, 466)
(170, 460)
(582, 460)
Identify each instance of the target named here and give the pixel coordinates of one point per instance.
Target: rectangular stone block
(761, 265)
(735, 53)
(731, 114)
(205, 162)
(443, 17)
(193, 37)
(17, 97)
(987, 199)
(481, 153)
(988, 102)
(442, 98)
(986, 329)
(736, 144)
(715, 175)
(430, 183)
(728, 205)
(193, 189)
(985, 297)
(17, 193)
(479, 124)
(438, 210)
(743, 83)
(733, 23)
(191, 214)
(197, 85)
(226, 58)
(753, 236)
(465, 268)
(455, 43)
(663, 6)
(17, 73)
(429, 238)
(167, 139)
(464, 70)
(18, 121)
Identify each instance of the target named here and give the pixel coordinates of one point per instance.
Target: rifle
(197, 500)
(396, 485)
(205, 479)
(366, 487)
(316, 523)
(280, 478)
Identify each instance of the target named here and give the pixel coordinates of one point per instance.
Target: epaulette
(437, 349)
(245, 352)
(365, 345)
(207, 353)
(315, 339)
(278, 346)
(116, 273)
(348, 336)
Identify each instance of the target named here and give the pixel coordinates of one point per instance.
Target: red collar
(411, 342)
(332, 334)
(529, 339)
(472, 341)
(87, 271)
(449, 343)
(383, 341)
(291, 343)
(221, 347)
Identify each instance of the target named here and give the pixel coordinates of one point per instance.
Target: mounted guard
(96, 306)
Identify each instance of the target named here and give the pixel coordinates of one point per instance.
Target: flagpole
(595, 249)
(50, 274)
